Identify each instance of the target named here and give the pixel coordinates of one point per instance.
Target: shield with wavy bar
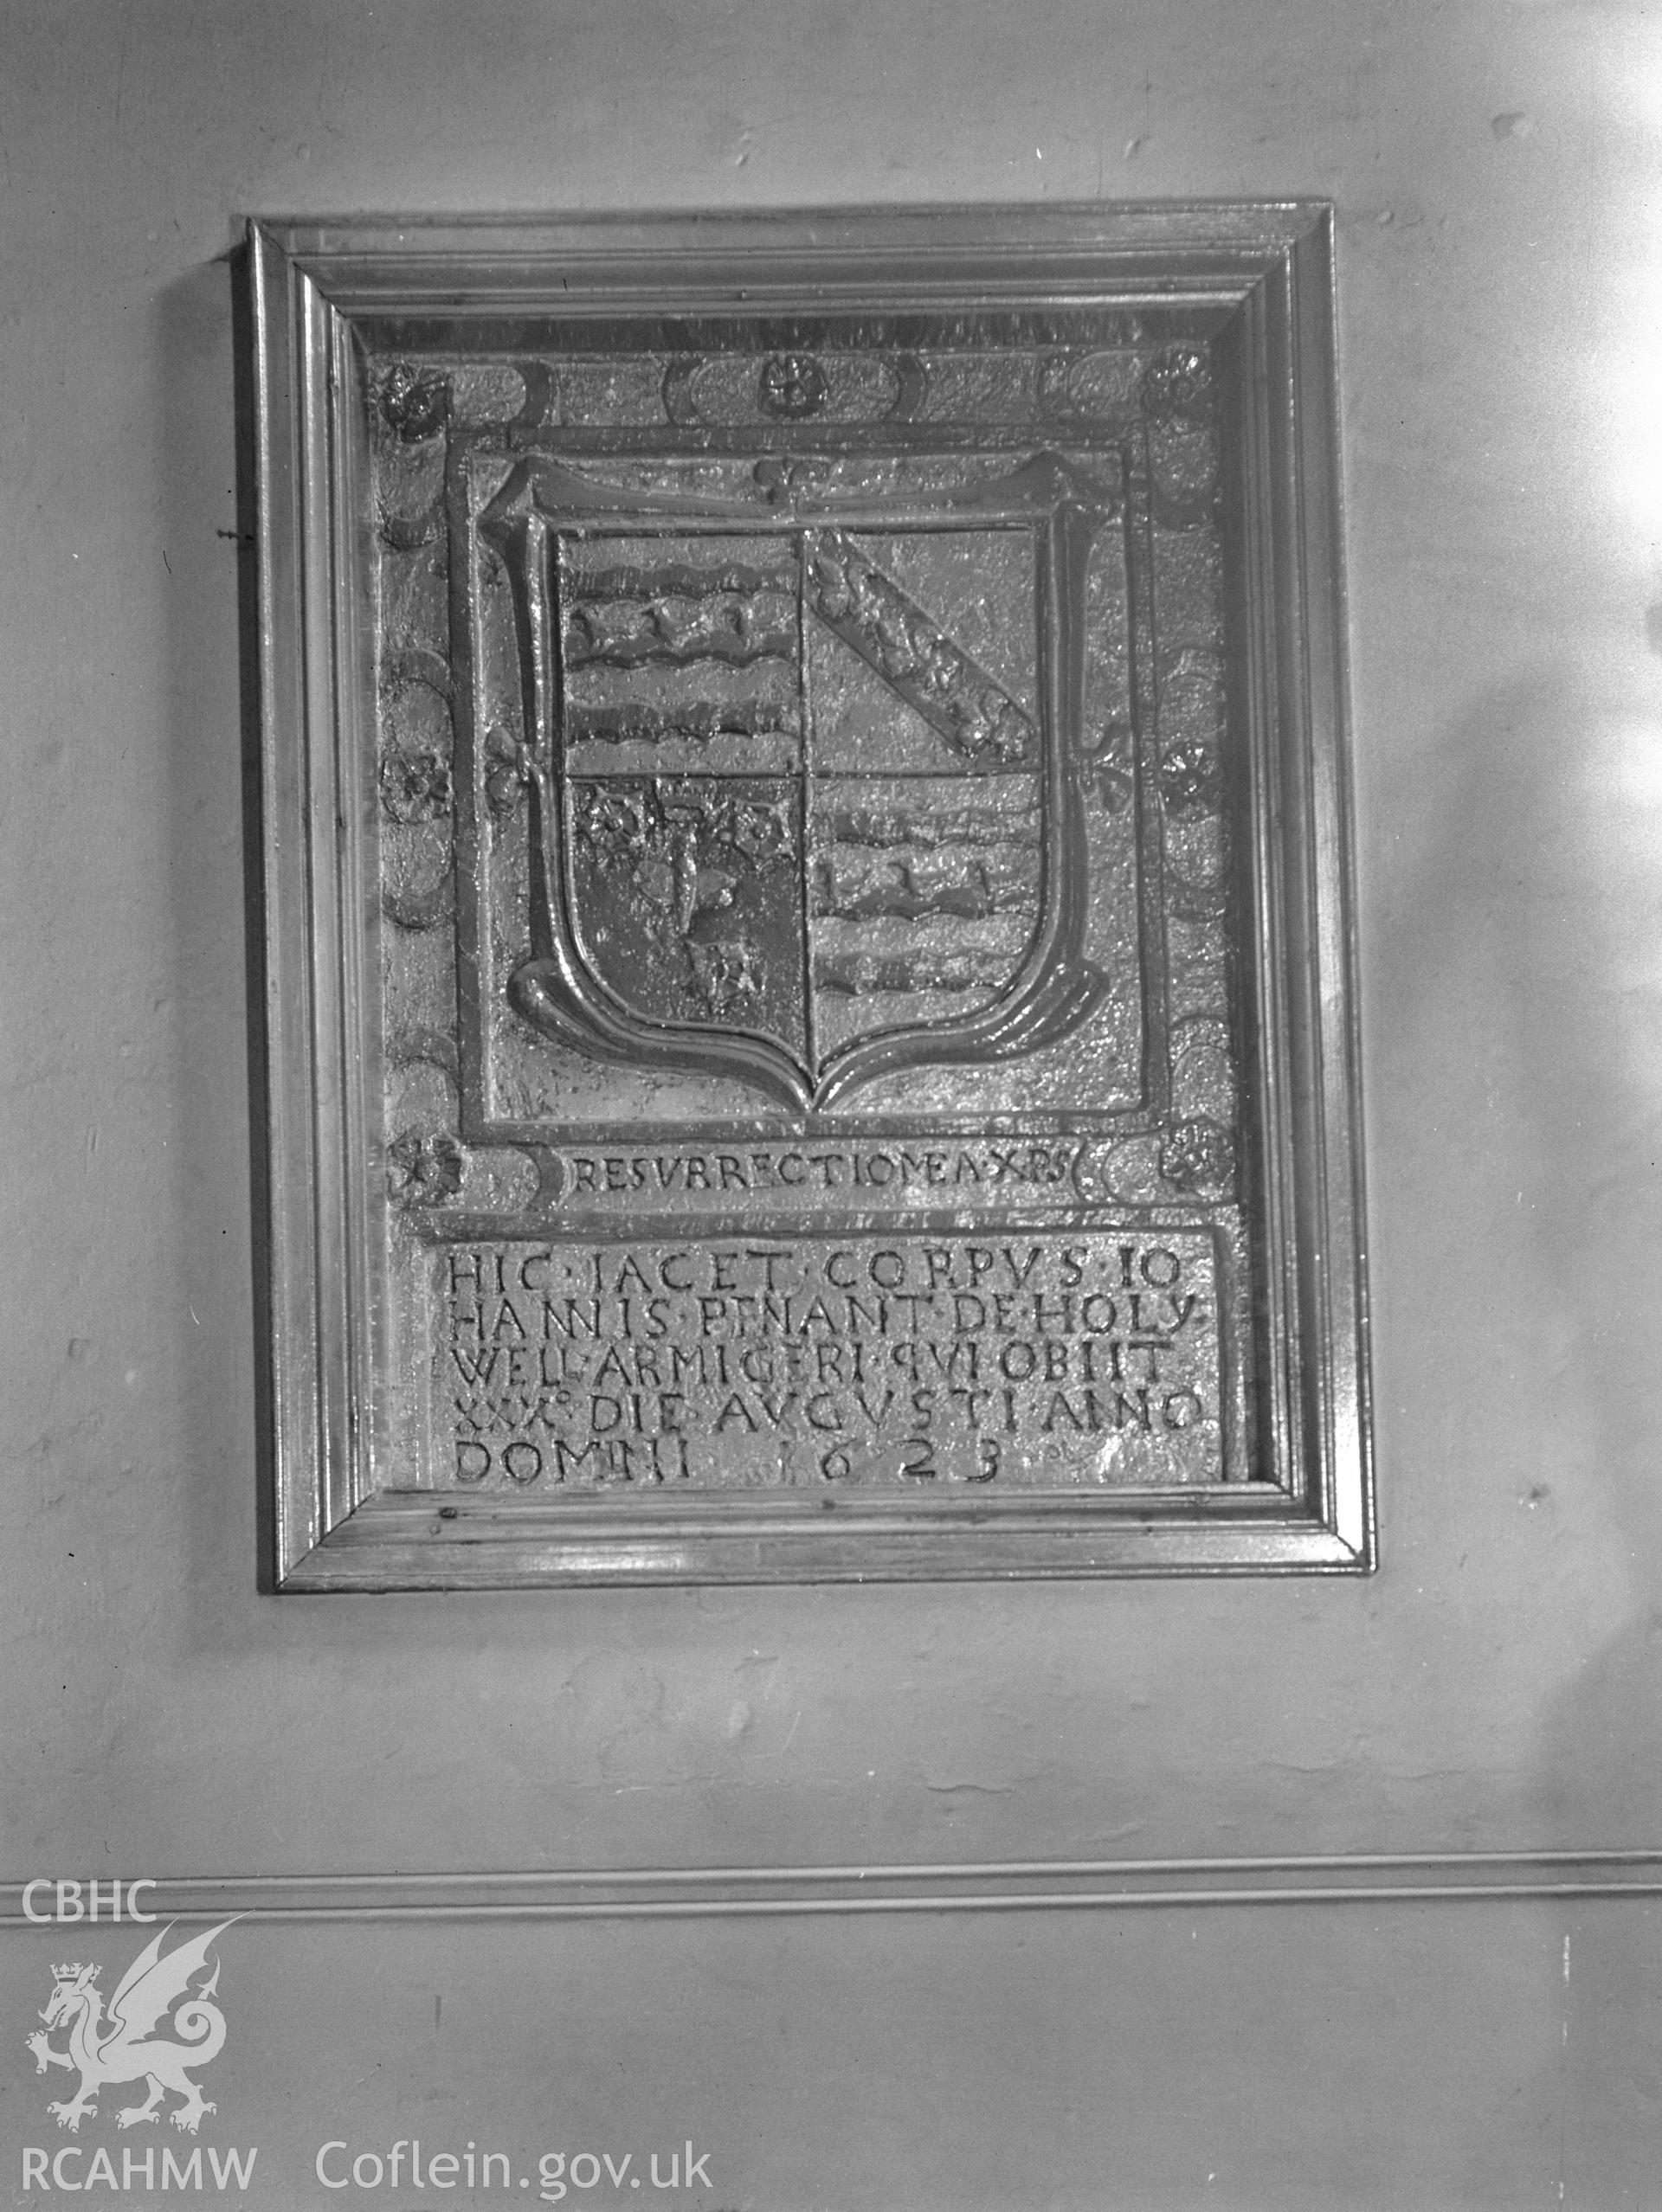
(804, 771)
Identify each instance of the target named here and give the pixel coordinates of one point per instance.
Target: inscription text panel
(1018, 1360)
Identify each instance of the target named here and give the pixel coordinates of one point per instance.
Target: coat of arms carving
(806, 795)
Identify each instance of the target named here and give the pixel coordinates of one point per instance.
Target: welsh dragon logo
(121, 2047)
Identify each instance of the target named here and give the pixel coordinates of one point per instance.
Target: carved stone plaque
(806, 928)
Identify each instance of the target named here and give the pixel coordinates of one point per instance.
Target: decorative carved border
(1264, 270)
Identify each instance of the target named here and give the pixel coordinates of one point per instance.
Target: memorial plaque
(805, 924)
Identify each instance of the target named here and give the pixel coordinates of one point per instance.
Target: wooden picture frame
(1182, 357)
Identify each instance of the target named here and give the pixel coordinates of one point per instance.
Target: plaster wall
(1495, 171)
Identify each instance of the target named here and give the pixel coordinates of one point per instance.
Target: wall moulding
(1062, 1885)
(806, 929)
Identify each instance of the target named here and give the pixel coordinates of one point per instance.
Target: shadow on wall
(1511, 1098)
(1522, 965)
(1579, 989)
(209, 694)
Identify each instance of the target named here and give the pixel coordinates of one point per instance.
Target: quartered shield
(804, 776)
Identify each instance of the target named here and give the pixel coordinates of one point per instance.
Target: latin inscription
(1008, 1360)
(814, 1172)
